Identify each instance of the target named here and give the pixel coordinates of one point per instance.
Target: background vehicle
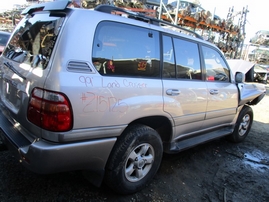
(259, 55)
(192, 9)
(260, 74)
(261, 37)
(266, 67)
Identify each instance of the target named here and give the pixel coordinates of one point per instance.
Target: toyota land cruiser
(108, 91)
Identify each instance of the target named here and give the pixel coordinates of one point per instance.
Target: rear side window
(216, 68)
(181, 59)
(126, 50)
(187, 59)
(34, 39)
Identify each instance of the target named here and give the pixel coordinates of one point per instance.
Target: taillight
(50, 110)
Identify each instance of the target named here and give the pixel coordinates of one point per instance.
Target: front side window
(126, 50)
(34, 39)
(216, 68)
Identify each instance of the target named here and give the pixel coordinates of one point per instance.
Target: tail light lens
(50, 110)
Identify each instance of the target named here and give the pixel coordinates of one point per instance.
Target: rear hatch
(26, 61)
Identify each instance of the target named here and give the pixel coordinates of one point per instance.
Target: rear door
(184, 91)
(222, 93)
(24, 64)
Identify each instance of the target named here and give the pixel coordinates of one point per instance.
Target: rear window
(34, 39)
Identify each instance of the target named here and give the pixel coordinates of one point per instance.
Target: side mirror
(239, 77)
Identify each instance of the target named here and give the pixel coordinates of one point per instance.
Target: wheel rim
(139, 162)
(244, 125)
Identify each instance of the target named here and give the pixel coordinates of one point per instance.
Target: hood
(239, 65)
(250, 93)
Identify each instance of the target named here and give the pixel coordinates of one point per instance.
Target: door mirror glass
(239, 77)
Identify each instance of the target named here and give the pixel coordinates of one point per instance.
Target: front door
(222, 93)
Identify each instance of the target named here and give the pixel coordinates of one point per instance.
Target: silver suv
(107, 91)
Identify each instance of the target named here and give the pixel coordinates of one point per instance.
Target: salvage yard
(215, 171)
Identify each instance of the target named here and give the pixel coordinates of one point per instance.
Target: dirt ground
(215, 172)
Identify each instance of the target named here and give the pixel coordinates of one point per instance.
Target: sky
(256, 17)
(8, 4)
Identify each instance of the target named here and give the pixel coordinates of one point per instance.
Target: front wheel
(134, 160)
(243, 125)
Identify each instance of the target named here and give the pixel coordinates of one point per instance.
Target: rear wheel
(243, 125)
(135, 159)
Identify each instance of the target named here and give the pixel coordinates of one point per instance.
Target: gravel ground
(215, 171)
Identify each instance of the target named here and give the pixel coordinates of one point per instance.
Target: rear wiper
(14, 70)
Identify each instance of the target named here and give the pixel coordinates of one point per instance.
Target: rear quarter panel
(99, 100)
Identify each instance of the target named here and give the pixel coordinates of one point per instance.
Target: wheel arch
(159, 123)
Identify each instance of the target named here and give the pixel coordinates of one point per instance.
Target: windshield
(34, 39)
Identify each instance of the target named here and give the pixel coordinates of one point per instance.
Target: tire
(243, 125)
(134, 160)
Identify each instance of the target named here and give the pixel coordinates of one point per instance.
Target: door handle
(214, 92)
(173, 92)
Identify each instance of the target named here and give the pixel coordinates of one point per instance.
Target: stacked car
(260, 55)
(261, 38)
(224, 33)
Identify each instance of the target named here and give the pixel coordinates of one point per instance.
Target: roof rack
(138, 16)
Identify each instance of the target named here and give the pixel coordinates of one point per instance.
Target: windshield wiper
(14, 70)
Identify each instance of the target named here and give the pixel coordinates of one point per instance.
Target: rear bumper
(46, 157)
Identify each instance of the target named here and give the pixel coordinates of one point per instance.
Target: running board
(183, 144)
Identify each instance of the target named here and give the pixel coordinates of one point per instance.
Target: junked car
(190, 8)
(261, 38)
(259, 55)
(260, 74)
(111, 96)
(266, 68)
